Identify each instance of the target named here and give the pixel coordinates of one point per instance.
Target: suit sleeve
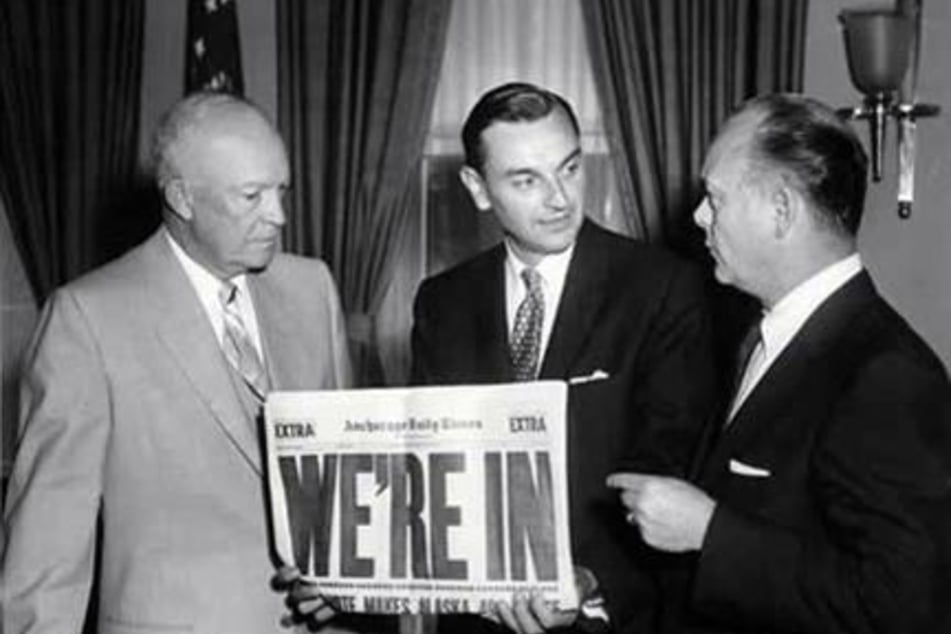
(55, 489)
(337, 333)
(674, 387)
(880, 478)
(672, 392)
(421, 338)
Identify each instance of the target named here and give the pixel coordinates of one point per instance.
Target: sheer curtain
(668, 73)
(356, 80)
(494, 41)
(69, 107)
(491, 42)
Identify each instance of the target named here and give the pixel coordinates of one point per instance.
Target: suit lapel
(491, 323)
(783, 382)
(581, 300)
(189, 338)
(277, 335)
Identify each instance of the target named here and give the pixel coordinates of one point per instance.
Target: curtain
(69, 107)
(488, 44)
(356, 82)
(668, 73)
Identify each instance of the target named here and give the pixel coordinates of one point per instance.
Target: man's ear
(177, 198)
(787, 209)
(474, 182)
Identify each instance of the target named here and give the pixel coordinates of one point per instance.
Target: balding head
(194, 116)
(222, 170)
(804, 142)
(785, 181)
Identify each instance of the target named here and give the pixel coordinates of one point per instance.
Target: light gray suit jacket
(129, 408)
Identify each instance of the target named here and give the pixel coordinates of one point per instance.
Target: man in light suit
(142, 392)
(824, 505)
(625, 324)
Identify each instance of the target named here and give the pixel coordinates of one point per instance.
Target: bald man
(142, 393)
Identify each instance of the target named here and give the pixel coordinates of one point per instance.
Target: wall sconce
(879, 46)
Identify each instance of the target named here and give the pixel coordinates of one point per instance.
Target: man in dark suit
(141, 394)
(625, 324)
(824, 504)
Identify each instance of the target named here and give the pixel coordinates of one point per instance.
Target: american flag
(213, 56)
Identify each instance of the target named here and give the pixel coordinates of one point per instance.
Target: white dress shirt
(553, 269)
(207, 287)
(781, 323)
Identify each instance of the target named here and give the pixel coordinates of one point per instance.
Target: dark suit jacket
(846, 532)
(629, 310)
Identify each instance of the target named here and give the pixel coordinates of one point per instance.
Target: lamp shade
(877, 45)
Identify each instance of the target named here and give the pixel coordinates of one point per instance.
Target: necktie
(237, 345)
(745, 362)
(525, 344)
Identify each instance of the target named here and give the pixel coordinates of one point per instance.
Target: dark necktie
(525, 344)
(237, 345)
(751, 339)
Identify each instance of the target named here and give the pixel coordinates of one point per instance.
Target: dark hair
(809, 144)
(514, 101)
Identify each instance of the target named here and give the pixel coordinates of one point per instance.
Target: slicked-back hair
(511, 102)
(182, 119)
(816, 151)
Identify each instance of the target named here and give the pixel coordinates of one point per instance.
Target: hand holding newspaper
(425, 500)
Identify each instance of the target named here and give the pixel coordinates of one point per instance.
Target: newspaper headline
(423, 500)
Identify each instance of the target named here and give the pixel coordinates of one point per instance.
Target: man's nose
(274, 209)
(702, 215)
(557, 195)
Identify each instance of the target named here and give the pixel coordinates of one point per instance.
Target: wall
(909, 259)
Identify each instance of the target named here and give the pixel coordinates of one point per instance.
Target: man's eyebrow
(571, 157)
(519, 171)
(531, 171)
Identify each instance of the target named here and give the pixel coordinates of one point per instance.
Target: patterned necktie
(525, 344)
(237, 345)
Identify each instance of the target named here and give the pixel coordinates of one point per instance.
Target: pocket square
(597, 375)
(743, 469)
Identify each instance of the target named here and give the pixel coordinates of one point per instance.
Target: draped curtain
(668, 73)
(356, 82)
(69, 107)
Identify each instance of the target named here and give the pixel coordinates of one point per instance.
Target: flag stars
(218, 81)
(213, 5)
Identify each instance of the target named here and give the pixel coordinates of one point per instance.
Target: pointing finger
(627, 480)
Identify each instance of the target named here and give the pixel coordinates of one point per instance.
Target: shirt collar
(552, 268)
(206, 283)
(782, 322)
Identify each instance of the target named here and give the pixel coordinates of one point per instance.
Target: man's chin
(723, 276)
(558, 242)
(261, 262)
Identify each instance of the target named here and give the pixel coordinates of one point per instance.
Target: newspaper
(425, 500)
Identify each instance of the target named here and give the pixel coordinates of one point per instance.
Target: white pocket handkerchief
(597, 375)
(743, 469)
